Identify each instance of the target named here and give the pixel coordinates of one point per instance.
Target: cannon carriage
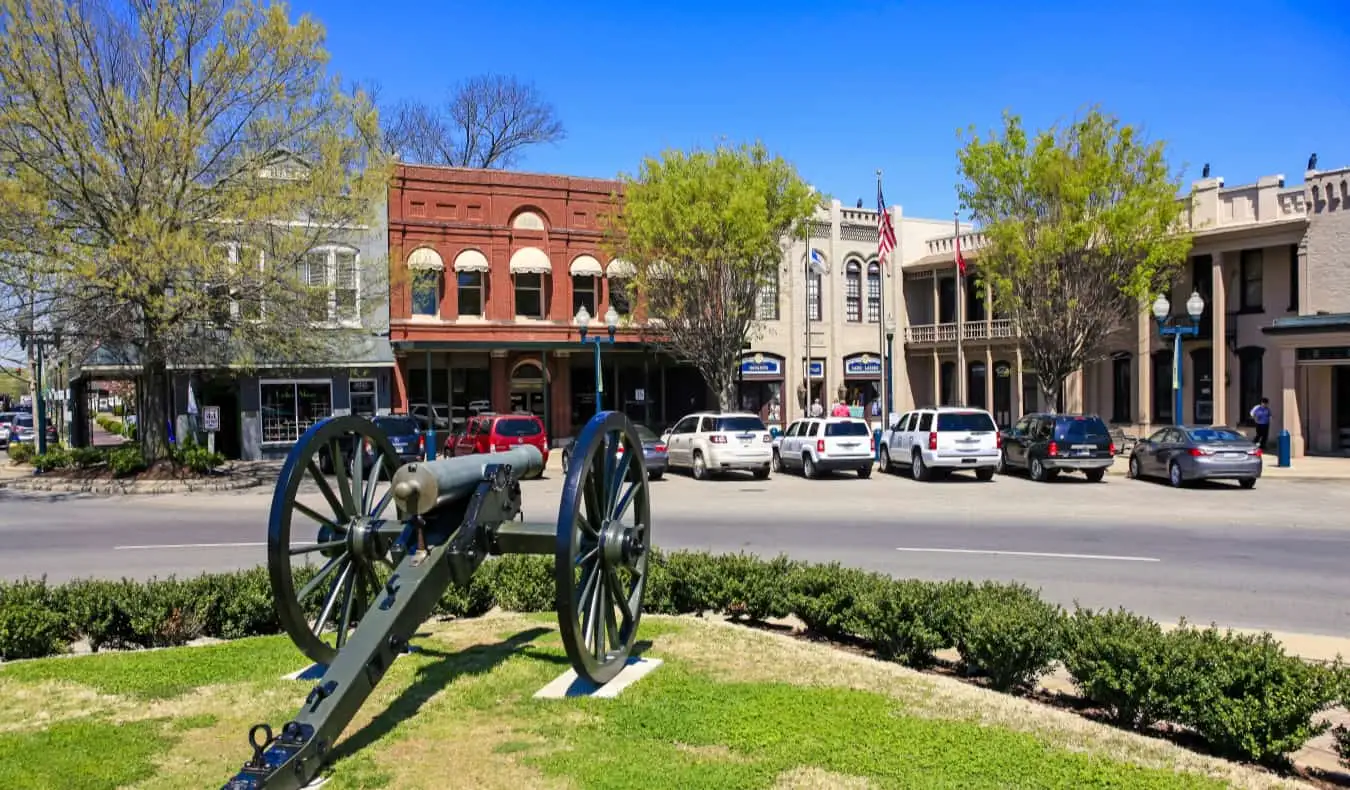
(385, 553)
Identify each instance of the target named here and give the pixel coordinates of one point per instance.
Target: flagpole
(961, 394)
(806, 361)
(881, 315)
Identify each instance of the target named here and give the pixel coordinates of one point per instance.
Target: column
(501, 382)
(560, 388)
(937, 298)
(937, 379)
(400, 401)
(1019, 407)
(989, 377)
(1143, 389)
(1219, 346)
(1288, 417)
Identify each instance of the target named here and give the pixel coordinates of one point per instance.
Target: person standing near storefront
(1261, 416)
(816, 409)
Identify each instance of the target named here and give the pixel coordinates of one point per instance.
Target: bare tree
(487, 121)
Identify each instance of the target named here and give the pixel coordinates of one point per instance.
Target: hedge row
(1244, 694)
(122, 461)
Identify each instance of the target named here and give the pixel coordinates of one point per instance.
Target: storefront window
(764, 398)
(470, 293)
(289, 408)
(362, 395)
(426, 287)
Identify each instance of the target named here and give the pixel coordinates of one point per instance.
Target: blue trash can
(876, 445)
(429, 443)
(1285, 449)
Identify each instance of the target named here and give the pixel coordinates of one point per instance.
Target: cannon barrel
(421, 486)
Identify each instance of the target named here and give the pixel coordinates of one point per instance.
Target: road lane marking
(189, 546)
(1051, 555)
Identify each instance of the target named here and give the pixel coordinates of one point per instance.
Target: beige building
(1273, 265)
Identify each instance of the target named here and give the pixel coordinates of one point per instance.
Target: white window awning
(471, 261)
(426, 259)
(586, 266)
(621, 268)
(530, 260)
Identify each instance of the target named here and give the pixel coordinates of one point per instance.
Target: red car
(490, 433)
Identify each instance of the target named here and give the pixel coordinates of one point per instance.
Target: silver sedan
(1184, 454)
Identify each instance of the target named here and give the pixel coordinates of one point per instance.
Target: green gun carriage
(386, 553)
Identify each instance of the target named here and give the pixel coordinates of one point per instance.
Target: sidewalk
(1309, 468)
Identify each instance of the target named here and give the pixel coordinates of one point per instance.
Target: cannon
(381, 570)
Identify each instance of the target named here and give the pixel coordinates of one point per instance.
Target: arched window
(852, 292)
(427, 270)
(813, 296)
(1122, 387)
(873, 293)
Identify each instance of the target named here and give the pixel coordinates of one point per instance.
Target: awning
(530, 260)
(471, 261)
(620, 268)
(425, 259)
(586, 266)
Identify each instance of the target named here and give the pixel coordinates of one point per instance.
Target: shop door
(1340, 395)
(1003, 394)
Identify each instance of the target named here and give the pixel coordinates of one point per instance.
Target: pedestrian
(816, 409)
(840, 409)
(1261, 416)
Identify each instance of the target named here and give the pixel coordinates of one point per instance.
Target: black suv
(1047, 444)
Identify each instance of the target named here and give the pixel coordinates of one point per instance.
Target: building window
(1122, 389)
(813, 297)
(332, 278)
(469, 293)
(766, 303)
(289, 408)
(619, 297)
(947, 300)
(584, 294)
(530, 295)
(361, 395)
(873, 293)
(1251, 381)
(1162, 386)
(853, 292)
(977, 377)
(426, 292)
(1293, 278)
(1251, 269)
(947, 384)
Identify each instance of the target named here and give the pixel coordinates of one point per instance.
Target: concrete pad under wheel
(569, 684)
(316, 671)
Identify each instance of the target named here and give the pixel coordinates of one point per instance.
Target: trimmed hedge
(1244, 694)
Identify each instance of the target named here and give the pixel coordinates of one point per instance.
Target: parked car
(23, 430)
(6, 427)
(404, 432)
(1185, 454)
(654, 451)
(490, 433)
(708, 443)
(936, 440)
(817, 445)
(433, 417)
(1047, 444)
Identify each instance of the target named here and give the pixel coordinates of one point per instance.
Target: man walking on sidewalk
(1261, 416)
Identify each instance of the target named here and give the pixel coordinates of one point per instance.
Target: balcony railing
(970, 241)
(931, 334)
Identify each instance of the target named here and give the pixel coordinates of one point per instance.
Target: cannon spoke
(378, 509)
(313, 547)
(368, 500)
(591, 496)
(344, 484)
(358, 480)
(597, 620)
(618, 474)
(323, 573)
(331, 599)
(327, 491)
(621, 507)
(618, 597)
(348, 603)
(312, 513)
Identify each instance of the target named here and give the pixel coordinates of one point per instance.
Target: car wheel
(777, 462)
(564, 462)
(886, 465)
(1134, 471)
(1002, 467)
(1247, 482)
(762, 473)
(917, 469)
(1095, 475)
(808, 467)
(325, 462)
(985, 475)
(1174, 475)
(865, 472)
(1037, 470)
(700, 469)
(654, 476)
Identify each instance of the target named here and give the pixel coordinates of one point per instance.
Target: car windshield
(1216, 435)
(647, 435)
(398, 426)
(738, 424)
(1081, 429)
(518, 426)
(849, 428)
(964, 421)
(25, 420)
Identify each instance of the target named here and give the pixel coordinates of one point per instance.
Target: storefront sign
(863, 365)
(761, 365)
(1002, 370)
(1324, 354)
(817, 369)
(211, 418)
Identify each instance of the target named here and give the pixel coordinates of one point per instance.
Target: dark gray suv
(1047, 444)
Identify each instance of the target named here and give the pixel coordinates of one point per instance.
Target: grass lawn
(731, 708)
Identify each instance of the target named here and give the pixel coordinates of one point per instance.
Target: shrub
(86, 457)
(161, 612)
(28, 630)
(1245, 695)
(126, 461)
(829, 599)
(1341, 738)
(196, 458)
(477, 599)
(1010, 634)
(746, 587)
(1119, 661)
(902, 621)
(21, 453)
(694, 585)
(55, 458)
(521, 582)
(94, 610)
(658, 596)
(236, 605)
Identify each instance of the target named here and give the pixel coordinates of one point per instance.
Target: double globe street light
(1162, 310)
(583, 320)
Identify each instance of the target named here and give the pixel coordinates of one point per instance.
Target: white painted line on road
(1051, 555)
(189, 546)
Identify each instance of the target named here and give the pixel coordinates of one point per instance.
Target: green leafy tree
(1082, 226)
(705, 232)
(165, 167)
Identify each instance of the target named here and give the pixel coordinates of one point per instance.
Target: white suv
(707, 443)
(829, 444)
(934, 441)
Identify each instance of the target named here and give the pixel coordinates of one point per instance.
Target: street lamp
(583, 319)
(1195, 307)
(889, 404)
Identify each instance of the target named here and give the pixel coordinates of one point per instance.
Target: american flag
(885, 230)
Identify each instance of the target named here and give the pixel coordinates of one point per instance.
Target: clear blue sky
(841, 89)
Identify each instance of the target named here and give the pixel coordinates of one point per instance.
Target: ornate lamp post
(1177, 329)
(583, 319)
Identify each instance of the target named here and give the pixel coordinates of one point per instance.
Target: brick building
(488, 270)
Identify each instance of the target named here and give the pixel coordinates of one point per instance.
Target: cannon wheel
(604, 537)
(351, 535)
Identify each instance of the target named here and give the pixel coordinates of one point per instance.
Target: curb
(130, 488)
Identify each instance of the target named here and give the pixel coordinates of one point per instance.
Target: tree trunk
(152, 422)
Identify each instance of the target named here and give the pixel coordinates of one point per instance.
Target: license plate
(848, 444)
(1082, 452)
(967, 460)
(1233, 455)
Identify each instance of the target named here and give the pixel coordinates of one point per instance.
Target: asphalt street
(1274, 557)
